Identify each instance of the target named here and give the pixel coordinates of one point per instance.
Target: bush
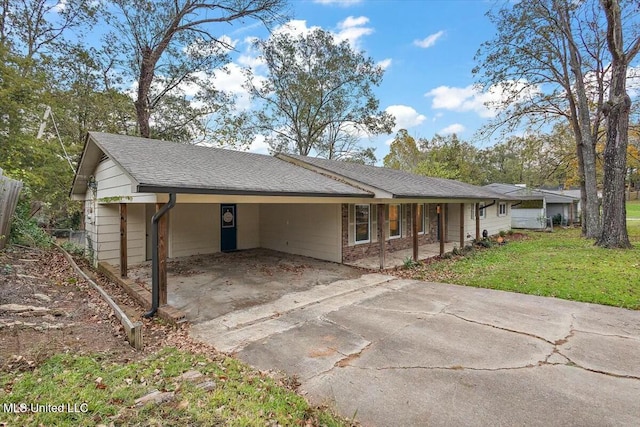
(557, 219)
(72, 248)
(485, 243)
(24, 227)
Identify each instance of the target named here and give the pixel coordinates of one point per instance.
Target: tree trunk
(585, 141)
(143, 109)
(614, 230)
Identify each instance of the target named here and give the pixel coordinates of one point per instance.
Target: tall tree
(549, 61)
(171, 43)
(318, 95)
(404, 153)
(617, 109)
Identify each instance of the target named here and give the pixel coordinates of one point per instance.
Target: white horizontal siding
(107, 246)
(305, 229)
(194, 229)
(527, 218)
(114, 183)
(493, 223)
(248, 225)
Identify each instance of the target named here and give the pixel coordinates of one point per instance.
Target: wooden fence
(9, 192)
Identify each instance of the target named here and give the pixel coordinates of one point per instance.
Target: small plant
(502, 233)
(510, 232)
(409, 263)
(485, 243)
(72, 248)
(456, 251)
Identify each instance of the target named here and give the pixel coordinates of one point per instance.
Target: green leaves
(318, 97)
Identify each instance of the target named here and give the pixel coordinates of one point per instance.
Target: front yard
(559, 264)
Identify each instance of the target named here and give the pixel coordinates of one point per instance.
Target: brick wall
(363, 250)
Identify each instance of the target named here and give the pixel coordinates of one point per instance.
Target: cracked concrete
(402, 352)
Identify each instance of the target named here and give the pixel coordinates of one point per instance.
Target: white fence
(9, 192)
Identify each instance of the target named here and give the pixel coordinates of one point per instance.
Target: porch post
(162, 257)
(414, 230)
(381, 242)
(477, 208)
(461, 225)
(123, 240)
(442, 230)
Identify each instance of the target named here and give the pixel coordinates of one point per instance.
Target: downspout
(155, 264)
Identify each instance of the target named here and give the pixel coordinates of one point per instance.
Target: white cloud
(454, 128)
(232, 80)
(259, 145)
(473, 98)
(406, 117)
(389, 141)
(295, 27)
(352, 29)
(429, 41)
(342, 3)
(385, 63)
(60, 6)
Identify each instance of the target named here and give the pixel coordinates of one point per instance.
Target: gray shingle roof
(526, 193)
(161, 166)
(400, 183)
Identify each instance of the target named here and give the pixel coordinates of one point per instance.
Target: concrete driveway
(394, 352)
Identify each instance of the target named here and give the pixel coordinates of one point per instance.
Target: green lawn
(559, 264)
(241, 396)
(633, 209)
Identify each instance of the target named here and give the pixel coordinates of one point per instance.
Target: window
(421, 218)
(362, 224)
(502, 209)
(483, 212)
(394, 221)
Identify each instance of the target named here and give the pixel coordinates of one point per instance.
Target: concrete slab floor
(209, 286)
(397, 258)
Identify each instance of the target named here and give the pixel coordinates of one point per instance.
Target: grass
(559, 264)
(241, 397)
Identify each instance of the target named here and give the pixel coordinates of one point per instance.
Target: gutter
(486, 206)
(155, 264)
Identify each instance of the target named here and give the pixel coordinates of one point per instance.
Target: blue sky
(426, 46)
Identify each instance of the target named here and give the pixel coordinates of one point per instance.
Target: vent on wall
(103, 158)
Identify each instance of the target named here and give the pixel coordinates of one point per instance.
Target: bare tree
(548, 61)
(172, 42)
(617, 110)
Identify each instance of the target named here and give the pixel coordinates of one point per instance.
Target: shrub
(485, 243)
(24, 227)
(72, 248)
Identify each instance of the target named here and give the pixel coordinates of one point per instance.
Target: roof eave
(150, 188)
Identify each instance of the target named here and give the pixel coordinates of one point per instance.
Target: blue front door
(228, 233)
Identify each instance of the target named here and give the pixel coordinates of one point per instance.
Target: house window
(502, 209)
(363, 224)
(395, 219)
(483, 212)
(421, 218)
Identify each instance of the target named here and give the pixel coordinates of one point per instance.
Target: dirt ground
(47, 308)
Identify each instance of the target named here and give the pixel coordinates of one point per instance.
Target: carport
(149, 199)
